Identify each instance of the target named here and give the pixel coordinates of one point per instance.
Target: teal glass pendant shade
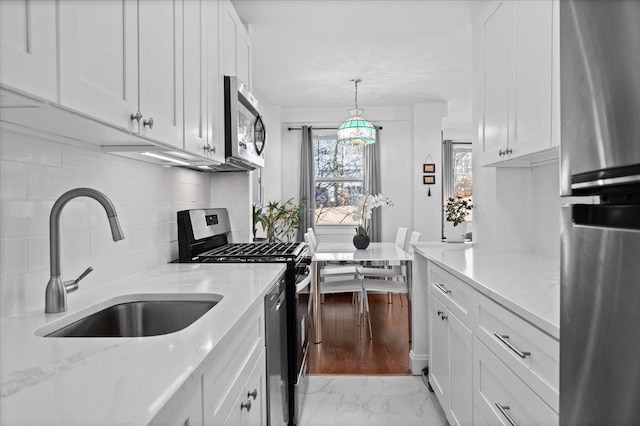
(356, 130)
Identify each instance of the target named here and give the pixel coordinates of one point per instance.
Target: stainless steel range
(203, 238)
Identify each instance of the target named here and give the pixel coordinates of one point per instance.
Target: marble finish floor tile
(370, 400)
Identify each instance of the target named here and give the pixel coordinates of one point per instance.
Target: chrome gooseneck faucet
(56, 293)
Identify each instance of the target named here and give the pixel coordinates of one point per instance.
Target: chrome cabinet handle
(136, 116)
(253, 394)
(503, 338)
(148, 123)
(501, 153)
(213, 149)
(443, 317)
(508, 151)
(246, 405)
(440, 313)
(503, 409)
(441, 288)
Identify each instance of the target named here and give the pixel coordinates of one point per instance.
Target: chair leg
(366, 301)
(389, 298)
(401, 304)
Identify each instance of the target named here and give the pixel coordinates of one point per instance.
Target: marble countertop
(81, 381)
(527, 284)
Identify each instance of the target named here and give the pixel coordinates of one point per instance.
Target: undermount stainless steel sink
(139, 318)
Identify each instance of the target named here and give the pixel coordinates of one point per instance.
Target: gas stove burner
(253, 252)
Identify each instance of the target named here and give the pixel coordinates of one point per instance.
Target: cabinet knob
(148, 123)
(253, 394)
(443, 317)
(508, 151)
(440, 313)
(206, 148)
(213, 149)
(246, 405)
(136, 116)
(501, 153)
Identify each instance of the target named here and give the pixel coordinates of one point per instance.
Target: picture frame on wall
(429, 168)
(428, 180)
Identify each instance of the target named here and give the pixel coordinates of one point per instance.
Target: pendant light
(356, 130)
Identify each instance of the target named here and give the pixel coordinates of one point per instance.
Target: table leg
(317, 318)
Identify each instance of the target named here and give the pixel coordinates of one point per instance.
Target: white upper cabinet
(161, 74)
(215, 89)
(236, 45)
(28, 47)
(517, 67)
(195, 78)
(99, 60)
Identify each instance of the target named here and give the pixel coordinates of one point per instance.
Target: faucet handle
(72, 285)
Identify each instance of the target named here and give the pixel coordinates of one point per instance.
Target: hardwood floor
(343, 351)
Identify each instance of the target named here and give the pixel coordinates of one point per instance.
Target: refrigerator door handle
(622, 180)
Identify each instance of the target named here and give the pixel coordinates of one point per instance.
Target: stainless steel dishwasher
(275, 305)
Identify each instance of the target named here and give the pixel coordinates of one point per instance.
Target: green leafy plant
(280, 220)
(457, 209)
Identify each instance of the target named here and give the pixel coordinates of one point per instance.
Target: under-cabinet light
(165, 158)
(204, 167)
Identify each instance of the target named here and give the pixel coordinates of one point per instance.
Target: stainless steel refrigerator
(600, 180)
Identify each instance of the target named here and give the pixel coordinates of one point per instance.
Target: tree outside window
(339, 179)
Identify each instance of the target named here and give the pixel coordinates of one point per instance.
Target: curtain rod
(324, 128)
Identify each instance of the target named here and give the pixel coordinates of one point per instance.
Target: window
(339, 178)
(457, 172)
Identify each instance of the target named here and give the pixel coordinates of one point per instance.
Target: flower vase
(361, 242)
(455, 233)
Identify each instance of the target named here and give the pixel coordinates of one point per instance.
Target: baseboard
(417, 363)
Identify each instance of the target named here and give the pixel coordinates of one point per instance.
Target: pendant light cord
(356, 81)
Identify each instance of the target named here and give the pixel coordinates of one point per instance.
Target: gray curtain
(307, 191)
(372, 185)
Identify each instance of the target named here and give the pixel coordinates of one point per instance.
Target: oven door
(303, 331)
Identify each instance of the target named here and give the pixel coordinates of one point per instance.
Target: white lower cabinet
(229, 387)
(486, 364)
(501, 397)
(450, 362)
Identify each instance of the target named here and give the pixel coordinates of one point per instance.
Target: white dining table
(380, 253)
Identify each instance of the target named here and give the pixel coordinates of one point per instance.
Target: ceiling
(305, 52)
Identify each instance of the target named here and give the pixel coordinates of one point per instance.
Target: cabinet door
(532, 53)
(183, 409)
(243, 56)
(460, 374)
(28, 47)
(256, 389)
(99, 59)
(236, 414)
(438, 352)
(215, 97)
(229, 40)
(160, 74)
(195, 78)
(495, 84)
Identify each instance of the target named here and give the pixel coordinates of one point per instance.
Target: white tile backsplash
(35, 172)
(13, 180)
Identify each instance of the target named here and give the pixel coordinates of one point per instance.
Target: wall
(427, 143)
(34, 172)
(395, 166)
(234, 191)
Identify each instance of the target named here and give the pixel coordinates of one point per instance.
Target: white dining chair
(339, 279)
(394, 271)
(391, 281)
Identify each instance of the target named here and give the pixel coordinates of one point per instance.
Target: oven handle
(302, 284)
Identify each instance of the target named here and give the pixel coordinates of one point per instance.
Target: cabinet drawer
(452, 292)
(501, 397)
(529, 352)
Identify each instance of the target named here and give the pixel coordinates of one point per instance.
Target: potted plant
(280, 220)
(362, 213)
(456, 210)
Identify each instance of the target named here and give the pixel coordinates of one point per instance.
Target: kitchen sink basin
(138, 318)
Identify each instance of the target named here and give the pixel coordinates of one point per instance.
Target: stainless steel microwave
(245, 133)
